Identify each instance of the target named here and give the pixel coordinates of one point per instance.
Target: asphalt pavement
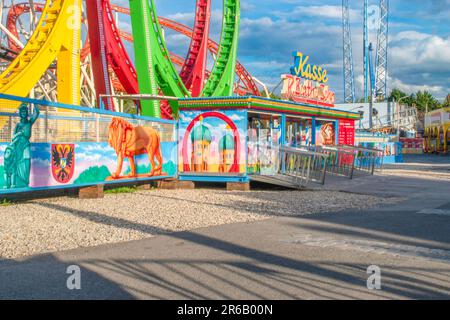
(321, 256)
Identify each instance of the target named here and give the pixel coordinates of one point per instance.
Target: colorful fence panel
(213, 143)
(46, 145)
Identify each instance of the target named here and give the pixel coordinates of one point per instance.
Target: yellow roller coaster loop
(57, 37)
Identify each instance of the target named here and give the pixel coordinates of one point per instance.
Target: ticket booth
(228, 139)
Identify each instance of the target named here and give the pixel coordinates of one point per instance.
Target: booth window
(264, 135)
(298, 132)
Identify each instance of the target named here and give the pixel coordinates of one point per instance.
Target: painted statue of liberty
(18, 153)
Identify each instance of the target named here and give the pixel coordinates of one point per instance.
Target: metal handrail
(298, 166)
(303, 165)
(367, 163)
(345, 159)
(360, 148)
(340, 160)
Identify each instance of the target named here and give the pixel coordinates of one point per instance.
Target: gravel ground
(49, 225)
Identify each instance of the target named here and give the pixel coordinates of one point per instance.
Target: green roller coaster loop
(221, 80)
(151, 54)
(155, 69)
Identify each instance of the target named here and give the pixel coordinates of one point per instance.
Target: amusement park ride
(62, 125)
(375, 70)
(106, 67)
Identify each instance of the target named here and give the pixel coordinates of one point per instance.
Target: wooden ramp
(279, 180)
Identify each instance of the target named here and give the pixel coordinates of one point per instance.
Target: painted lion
(129, 141)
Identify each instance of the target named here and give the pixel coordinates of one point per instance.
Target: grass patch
(5, 203)
(121, 190)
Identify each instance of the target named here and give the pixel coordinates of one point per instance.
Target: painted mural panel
(42, 147)
(213, 142)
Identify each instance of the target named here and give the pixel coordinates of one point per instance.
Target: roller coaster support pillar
(147, 80)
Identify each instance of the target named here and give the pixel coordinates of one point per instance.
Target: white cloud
(410, 88)
(325, 11)
(420, 61)
(419, 48)
(408, 35)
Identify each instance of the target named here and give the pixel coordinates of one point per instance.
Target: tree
(423, 100)
(397, 94)
(426, 102)
(446, 103)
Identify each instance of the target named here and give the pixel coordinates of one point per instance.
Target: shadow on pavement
(212, 267)
(247, 273)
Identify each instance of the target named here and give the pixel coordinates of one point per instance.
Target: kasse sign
(306, 83)
(305, 70)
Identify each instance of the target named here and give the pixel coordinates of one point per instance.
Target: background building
(387, 115)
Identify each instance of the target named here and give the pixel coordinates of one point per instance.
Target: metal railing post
(353, 164)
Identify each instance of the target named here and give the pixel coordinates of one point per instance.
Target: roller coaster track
(57, 36)
(117, 56)
(243, 74)
(11, 22)
(193, 70)
(19, 9)
(152, 59)
(196, 57)
(107, 49)
(213, 47)
(221, 81)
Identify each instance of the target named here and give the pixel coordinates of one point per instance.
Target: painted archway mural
(197, 130)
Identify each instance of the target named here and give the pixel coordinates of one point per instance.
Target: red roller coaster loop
(193, 70)
(11, 23)
(107, 49)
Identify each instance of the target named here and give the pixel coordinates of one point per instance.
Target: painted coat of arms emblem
(63, 162)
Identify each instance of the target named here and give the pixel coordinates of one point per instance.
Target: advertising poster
(325, 133)
(412, 145)
(346, 132)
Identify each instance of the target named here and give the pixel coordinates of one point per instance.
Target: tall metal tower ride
(382, 52)
(349, 78)
(366, 51)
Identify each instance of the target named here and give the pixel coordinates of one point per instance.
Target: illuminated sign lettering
(306, 91)
(305, 70)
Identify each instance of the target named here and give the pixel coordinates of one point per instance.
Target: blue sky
(419, 38)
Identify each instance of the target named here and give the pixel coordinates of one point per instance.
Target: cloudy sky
(419, 38)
